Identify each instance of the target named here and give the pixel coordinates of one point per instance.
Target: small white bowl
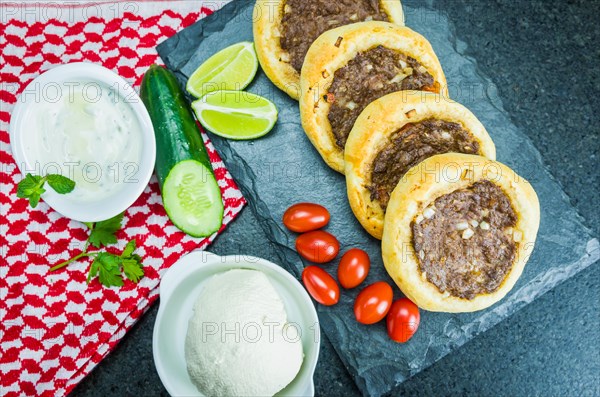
(132, 189)
(179, 289)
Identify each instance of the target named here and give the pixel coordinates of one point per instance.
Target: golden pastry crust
(435, 177)
(372, 131)
(330, 53)
(267, 16)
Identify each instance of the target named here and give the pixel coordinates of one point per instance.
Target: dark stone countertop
(543, 55)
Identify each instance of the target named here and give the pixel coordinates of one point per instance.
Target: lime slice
(236, 114)
(230, 69)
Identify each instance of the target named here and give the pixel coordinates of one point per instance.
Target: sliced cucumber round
(192, 198)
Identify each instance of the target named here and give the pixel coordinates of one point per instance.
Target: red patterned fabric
(54, 327)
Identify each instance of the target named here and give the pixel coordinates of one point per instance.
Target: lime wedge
(236, 114)
(230, 69)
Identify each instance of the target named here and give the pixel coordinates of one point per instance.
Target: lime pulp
(236, 114)
(232, 68)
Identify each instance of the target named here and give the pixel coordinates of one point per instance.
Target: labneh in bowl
(179, 290)
(87, 123)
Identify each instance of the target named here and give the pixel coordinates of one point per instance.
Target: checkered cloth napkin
(54, 327)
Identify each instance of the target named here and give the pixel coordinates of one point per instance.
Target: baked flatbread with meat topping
(459, 231)
(351, 66)
(285, 29)
(397, 132)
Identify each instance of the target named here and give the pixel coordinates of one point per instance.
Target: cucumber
(190, 193)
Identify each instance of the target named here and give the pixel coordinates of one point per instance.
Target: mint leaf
(109, 271)
(61, 184)
(129, 248)
(103, 232)
(29, 184)
(31, 187)
(133, 269)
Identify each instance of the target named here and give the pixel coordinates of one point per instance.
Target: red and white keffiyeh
(54, 327)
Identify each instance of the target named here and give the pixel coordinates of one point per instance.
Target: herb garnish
(32, 186)
(107, 266)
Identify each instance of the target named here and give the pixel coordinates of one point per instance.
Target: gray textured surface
(550, 347)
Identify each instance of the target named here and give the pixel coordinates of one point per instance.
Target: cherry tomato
(317, 246)
(320, 285)
(304, 217)
(354, 268)
(403, 320)
(373, 303)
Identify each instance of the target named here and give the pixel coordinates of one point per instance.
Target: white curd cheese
(85, 131)
(239, 342)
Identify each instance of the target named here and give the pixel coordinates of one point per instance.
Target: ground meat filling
(465, 241)
(412, 144)
(305, 20)
(369, 76)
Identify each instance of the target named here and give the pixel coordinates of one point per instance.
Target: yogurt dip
(239, 342)
(88, 132)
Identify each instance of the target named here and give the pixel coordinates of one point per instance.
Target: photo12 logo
(66, 11)
(90, 92)
(89, 172)
(254, 332)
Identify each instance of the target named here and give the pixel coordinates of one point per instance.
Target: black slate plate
(283, 168)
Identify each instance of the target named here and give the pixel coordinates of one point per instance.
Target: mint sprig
(32, 186)
(60, 184)
(108, 267)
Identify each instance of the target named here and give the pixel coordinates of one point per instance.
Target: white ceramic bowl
(179, 289)
(85, 72)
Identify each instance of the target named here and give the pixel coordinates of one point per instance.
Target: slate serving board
(283, 168)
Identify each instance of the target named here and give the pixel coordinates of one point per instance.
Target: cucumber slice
(192, 198)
